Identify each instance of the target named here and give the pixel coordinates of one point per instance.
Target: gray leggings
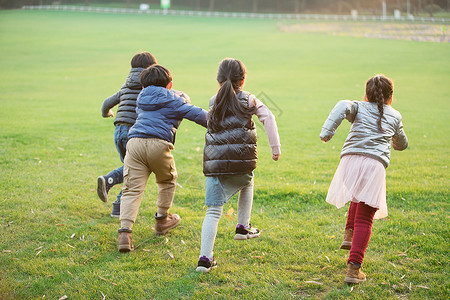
(213, 214)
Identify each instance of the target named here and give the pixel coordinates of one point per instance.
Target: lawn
(57, 238)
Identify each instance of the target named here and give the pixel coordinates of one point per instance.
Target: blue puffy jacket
(160, 112)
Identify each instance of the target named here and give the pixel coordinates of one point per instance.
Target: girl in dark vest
(230, 155)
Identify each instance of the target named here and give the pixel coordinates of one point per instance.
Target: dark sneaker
(104, 184)
(205, 265)
(125, 240)
(347, 242)
(165, 223)
(116, 209)
(354, 275)
(243, 233)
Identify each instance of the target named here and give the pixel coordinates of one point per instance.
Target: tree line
(265, 6)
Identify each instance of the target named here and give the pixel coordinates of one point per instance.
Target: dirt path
(413, 32)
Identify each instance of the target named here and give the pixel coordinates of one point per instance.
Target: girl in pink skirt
(361, 176)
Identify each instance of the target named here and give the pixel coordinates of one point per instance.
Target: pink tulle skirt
(359, 178)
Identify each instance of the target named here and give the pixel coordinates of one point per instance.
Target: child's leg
(351, 216)
(166, 177)
(245, 202)
(209, 230)
(361, 232)
(166, 193)
(106, 182)
(348, 233)
(115, 175)
(136, 174)
(243, 229)
(121, 140)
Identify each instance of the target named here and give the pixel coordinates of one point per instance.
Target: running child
(361, 175)
(160, 111)
(230, 155)
(126, 117)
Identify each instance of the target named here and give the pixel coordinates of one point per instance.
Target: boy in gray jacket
(126, 117)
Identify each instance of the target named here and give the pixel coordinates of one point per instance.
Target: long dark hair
(230, 74)
(379, 90)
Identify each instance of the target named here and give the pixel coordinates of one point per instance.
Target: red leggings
(360, 219)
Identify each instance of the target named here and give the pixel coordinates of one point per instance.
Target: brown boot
(125, 240)
(354, 275)
(164, 223)
(347, 242)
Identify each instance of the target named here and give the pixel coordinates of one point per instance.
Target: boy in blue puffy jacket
(160, 111)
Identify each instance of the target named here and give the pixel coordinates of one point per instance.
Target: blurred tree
(431, 7)
(419, 5)
(299, 6)
(255, 6)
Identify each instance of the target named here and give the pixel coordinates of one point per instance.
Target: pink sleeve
(266, 117)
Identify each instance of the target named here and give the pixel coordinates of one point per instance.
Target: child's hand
(110, 114)
(325, 138)
(183, 95)
(275, 157)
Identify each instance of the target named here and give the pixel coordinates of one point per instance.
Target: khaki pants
(143, 157)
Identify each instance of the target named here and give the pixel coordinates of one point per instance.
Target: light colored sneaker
(354, 275)
(244, 233)
(165, 223)
(347, 242)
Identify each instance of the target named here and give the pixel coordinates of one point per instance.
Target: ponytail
(379, 90)
(230, 75)
(379, 100)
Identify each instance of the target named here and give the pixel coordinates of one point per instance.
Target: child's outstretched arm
(344, 109)
(109, 103)
(191, 112)
(400, 140)
(266, 117)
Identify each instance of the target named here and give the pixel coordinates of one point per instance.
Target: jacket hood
(133, 81)
(154, 97)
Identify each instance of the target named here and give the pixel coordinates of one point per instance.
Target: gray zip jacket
(364, 137)
(126, 98)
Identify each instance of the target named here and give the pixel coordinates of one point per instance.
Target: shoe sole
(204, 269)
(241, 237)
(125, 248)
(168, 229)
(353, 280)
(115, 216)
(101, 189)
(346, 245)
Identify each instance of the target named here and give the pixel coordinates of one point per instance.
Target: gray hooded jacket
(126, 98)
(364, 137)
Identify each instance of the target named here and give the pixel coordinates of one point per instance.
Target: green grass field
(57, 238)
